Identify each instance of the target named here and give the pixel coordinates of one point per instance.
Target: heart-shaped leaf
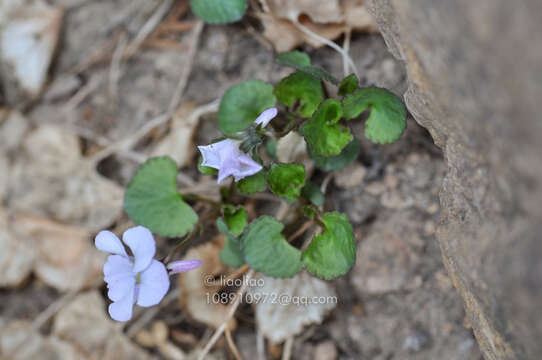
(323, 133)
(388, 114)
(303, 88)
(266, 250)
(152, 199)
(286, 180)
(242, 104)
(332, 253)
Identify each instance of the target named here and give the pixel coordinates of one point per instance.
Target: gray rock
(475, 82)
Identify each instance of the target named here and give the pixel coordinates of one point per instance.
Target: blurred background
(91, 89)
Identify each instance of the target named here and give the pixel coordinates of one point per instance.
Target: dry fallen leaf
(13, 126)
(65, 256)
(29, 34)
(178, 143)
(288, 305)
(52, 179)
(196, 292)
(85, 324)
(17, 255)
(19, 340)
(327, 18)
(158, 337)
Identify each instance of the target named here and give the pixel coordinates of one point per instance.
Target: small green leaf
(205, 170)
(332, 253)
(300, 61)
(219, 11)
(242, 104)
(286, 180)
(293, 59)
(235, 218)
(303, 88)
(388, 114)
(152, 199)
(348, 85)
(231, 252)
(253, 184)
(312, 192)
(266, 250)
(333, 163)
(323, 133)
(271, 148)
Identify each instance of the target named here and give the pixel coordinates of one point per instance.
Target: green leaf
(332, 253)
(231, 252)
(219, 11)
(388, 114)
(206, 170)
(333, 163)
(286, 180)
(235, 218)
(348, 85)
(266, 250)
(242, 104)
(152, 199)
(271, 148)
(303, 88)
(253, 184)
(312, 192)
(323, 133)
(293, 59)
(300, 61)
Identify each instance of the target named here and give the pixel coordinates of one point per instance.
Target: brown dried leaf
(65, 257)
(85, 324)
(319, 11)
(17, 255)
(196, 292)
(178, 143)
(29, 34)
(327, 18)
(279, 319)
(19, 340)
(51, 178)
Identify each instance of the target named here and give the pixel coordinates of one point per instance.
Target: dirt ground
(396, 303)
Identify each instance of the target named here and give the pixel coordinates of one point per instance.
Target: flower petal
(154, 284)
(181, 266)
(109, 242)
(210, 157)
(214, 154)
(246, 167)
(266, 116)
(122, 310)
(225, 170)
(118, 289)
(117, 265)
(141, 242)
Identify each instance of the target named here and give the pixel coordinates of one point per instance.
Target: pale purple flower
(180, 266)
(137, 279)
(228, 159)
(266, 116)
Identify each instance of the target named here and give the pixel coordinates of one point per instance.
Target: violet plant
(252, 117)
